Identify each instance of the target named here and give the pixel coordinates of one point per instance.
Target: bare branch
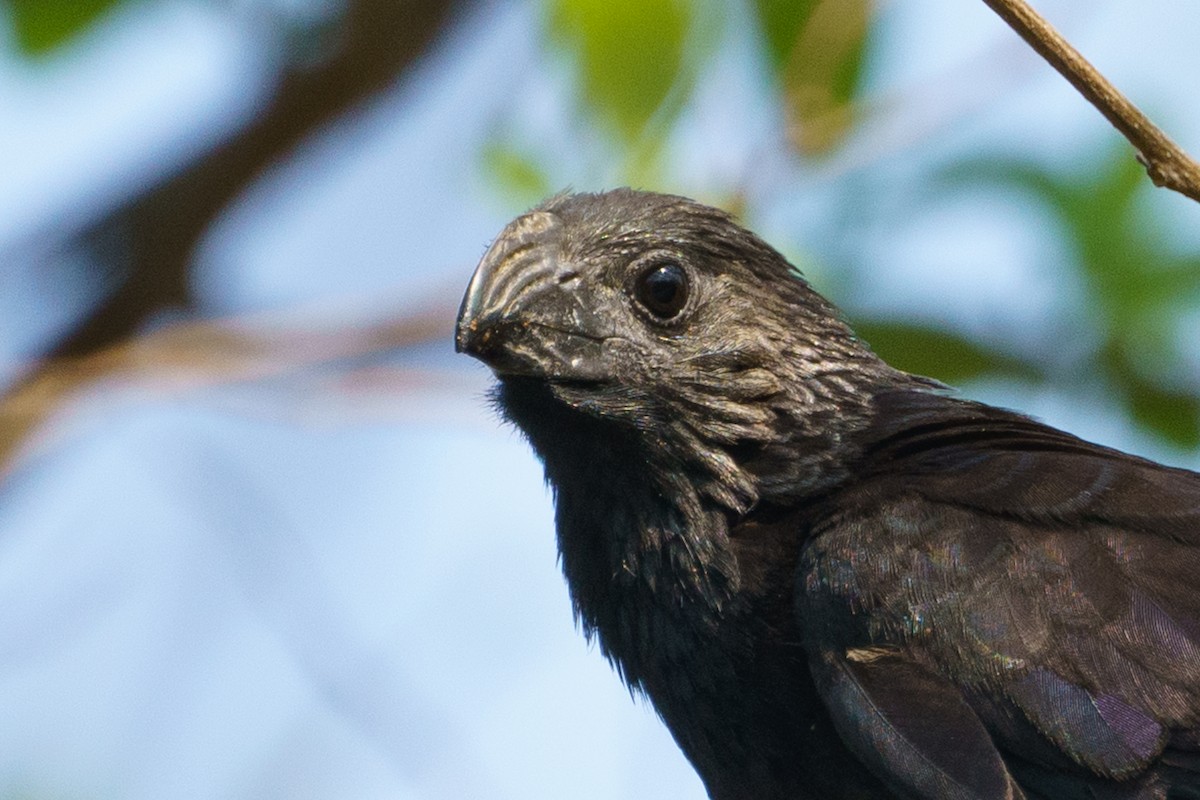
(189, 356)
(1166, 163)
(160, 228)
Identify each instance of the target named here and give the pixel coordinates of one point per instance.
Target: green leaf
(781, 22)
(1138, 374)
(40, 26)
(515, 172)
(629, 55)
(1173, 415)
(817, 49)
(936, 353)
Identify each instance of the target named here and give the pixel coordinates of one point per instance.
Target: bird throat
(643, 571)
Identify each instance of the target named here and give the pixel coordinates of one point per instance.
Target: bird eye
(662, 289)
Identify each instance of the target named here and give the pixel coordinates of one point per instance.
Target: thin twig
(1166, 163)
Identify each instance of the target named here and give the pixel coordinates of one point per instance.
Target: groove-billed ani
(832, 579)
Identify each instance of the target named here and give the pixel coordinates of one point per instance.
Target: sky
(296, 588)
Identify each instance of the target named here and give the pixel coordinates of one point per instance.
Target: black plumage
(832, 579)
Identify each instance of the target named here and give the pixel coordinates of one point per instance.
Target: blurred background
(261, 535)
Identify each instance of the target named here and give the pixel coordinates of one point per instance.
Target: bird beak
(526, 312)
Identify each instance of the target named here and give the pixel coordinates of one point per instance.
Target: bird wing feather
(1053, 584)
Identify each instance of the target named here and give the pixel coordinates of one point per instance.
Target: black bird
(832, 579)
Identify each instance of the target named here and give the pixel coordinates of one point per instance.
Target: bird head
(666, 319)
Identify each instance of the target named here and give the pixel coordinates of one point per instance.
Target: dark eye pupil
(663, 290)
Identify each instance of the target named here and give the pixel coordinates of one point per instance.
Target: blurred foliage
(628, 55)
(519, 172)
(1135, 286)
(39, 26)
(816, 49)
(925, 350)
(635, 66)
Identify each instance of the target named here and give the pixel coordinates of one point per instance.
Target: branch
(1166, 163)
(158, 230)
(188, 356)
